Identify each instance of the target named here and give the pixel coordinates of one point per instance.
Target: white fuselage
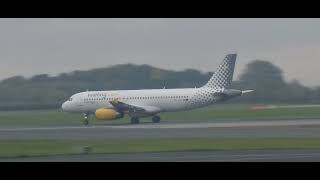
(161, 100)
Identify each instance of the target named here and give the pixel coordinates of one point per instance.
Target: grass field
(24, 148)
(223, 112)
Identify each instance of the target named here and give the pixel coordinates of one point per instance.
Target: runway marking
(272, 156)
(47, 128)
(182, 125)
(259, 107)
(194, 157)
(238, 157)
(227, 124)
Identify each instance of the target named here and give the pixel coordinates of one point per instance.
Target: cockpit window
(70, 99)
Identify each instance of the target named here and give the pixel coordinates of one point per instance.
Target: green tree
(266, 79)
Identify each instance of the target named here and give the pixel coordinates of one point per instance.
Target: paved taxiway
(281, 128)
(302, 155)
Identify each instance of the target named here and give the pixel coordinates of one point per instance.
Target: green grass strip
(19, 148)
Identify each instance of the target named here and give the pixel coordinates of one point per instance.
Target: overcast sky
(53, 46)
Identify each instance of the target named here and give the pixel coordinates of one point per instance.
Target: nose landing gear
(86, 119)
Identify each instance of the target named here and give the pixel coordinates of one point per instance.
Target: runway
(302, 155)
(281, 128)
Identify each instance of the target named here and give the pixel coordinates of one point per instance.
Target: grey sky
(33, 46)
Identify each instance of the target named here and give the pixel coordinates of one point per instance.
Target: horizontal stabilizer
(247, 91)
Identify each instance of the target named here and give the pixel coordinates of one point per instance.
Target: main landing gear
(156, 119)
(86, 119)
(134, 120)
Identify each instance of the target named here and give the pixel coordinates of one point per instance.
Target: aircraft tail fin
(222, 77)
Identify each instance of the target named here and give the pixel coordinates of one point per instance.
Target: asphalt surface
(185, 156)
(281, 128)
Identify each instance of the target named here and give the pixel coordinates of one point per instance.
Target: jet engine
(108, 114)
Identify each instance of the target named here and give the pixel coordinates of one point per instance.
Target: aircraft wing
(121, 106)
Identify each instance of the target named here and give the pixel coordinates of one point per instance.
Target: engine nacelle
(107, 114)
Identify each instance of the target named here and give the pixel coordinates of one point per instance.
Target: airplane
(115, 104)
